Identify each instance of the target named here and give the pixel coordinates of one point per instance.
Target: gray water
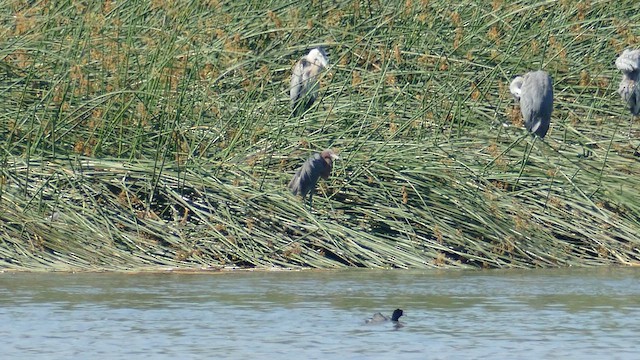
(552, 314)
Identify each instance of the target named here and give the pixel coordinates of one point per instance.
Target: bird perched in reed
(304, 80)
(629, 64)
(317, 166)
(534, 91)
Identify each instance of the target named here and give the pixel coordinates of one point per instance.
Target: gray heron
(304, 80)
(534, 91)
(629, 64)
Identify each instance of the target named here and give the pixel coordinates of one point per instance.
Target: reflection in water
(585, 313)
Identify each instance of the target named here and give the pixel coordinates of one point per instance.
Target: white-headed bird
(534, 91)
(629, 64)
(317, 166)
(304, 80)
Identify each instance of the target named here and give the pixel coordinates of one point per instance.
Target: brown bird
(317, 166)
(304, 82)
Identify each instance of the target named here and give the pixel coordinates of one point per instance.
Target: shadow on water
(559, 313)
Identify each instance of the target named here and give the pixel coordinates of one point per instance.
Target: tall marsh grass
(154, 134)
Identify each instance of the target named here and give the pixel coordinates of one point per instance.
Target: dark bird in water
(629, 64)
(534, 92)
(317, 166)
(378, 318)
(304, 80)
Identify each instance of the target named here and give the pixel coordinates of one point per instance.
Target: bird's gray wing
(297, 80)
(536, 102)
(307, 176)
(634, 101)
(294, 184)
(376, 318)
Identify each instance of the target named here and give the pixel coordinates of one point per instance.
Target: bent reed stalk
(158, 135)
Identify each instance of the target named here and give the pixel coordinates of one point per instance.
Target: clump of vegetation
(159, 134)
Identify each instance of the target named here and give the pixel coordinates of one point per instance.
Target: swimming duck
(379, 318)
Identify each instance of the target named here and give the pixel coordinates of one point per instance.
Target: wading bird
(629, 64)
(378, 318)
(317, 166)
(534, 91)
(304, 81)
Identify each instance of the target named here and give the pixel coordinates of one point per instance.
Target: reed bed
(159, 135)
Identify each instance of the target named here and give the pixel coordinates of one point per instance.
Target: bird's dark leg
(311, 200)
(525, 158)
(635, 152)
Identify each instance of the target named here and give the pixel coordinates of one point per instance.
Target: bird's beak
(334, 157)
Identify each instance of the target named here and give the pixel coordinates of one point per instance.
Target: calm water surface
(552, 314)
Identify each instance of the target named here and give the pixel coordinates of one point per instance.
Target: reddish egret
(305, 179)
(629, 64)
(304, 82)
(534, 91)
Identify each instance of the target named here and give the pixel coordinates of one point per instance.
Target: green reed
(158, 135)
